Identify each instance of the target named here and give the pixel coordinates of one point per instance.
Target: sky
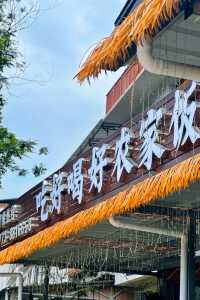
(48, 105)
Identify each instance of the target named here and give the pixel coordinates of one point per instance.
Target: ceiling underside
(179, 41)
(106, 248)
(153, 87)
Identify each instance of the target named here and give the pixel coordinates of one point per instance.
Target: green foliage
(38, 170)
(12, 149)
(7, 54)
(22, 172)
(43, 151)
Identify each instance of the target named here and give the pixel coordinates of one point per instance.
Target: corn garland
(161, 185)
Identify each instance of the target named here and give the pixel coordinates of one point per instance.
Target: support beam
(119, 224)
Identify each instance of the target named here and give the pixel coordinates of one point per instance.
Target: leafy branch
(15, 15)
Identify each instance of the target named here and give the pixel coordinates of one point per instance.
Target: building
(127, 201)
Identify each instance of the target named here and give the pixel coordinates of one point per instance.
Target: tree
(14, 16)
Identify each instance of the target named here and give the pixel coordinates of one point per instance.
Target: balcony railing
(122, 84)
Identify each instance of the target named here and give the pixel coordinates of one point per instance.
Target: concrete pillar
(187, 265)
(46, 284)
(183, 268)
(191, 255)
(6, 294)
(20, 287)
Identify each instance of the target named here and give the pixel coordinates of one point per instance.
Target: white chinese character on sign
(96, 170)
(59, 186)
(183, 117)
(122, 158)
(38, 200)
(149, 133)
(49, 199)
(43, 200)
(75, 181)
